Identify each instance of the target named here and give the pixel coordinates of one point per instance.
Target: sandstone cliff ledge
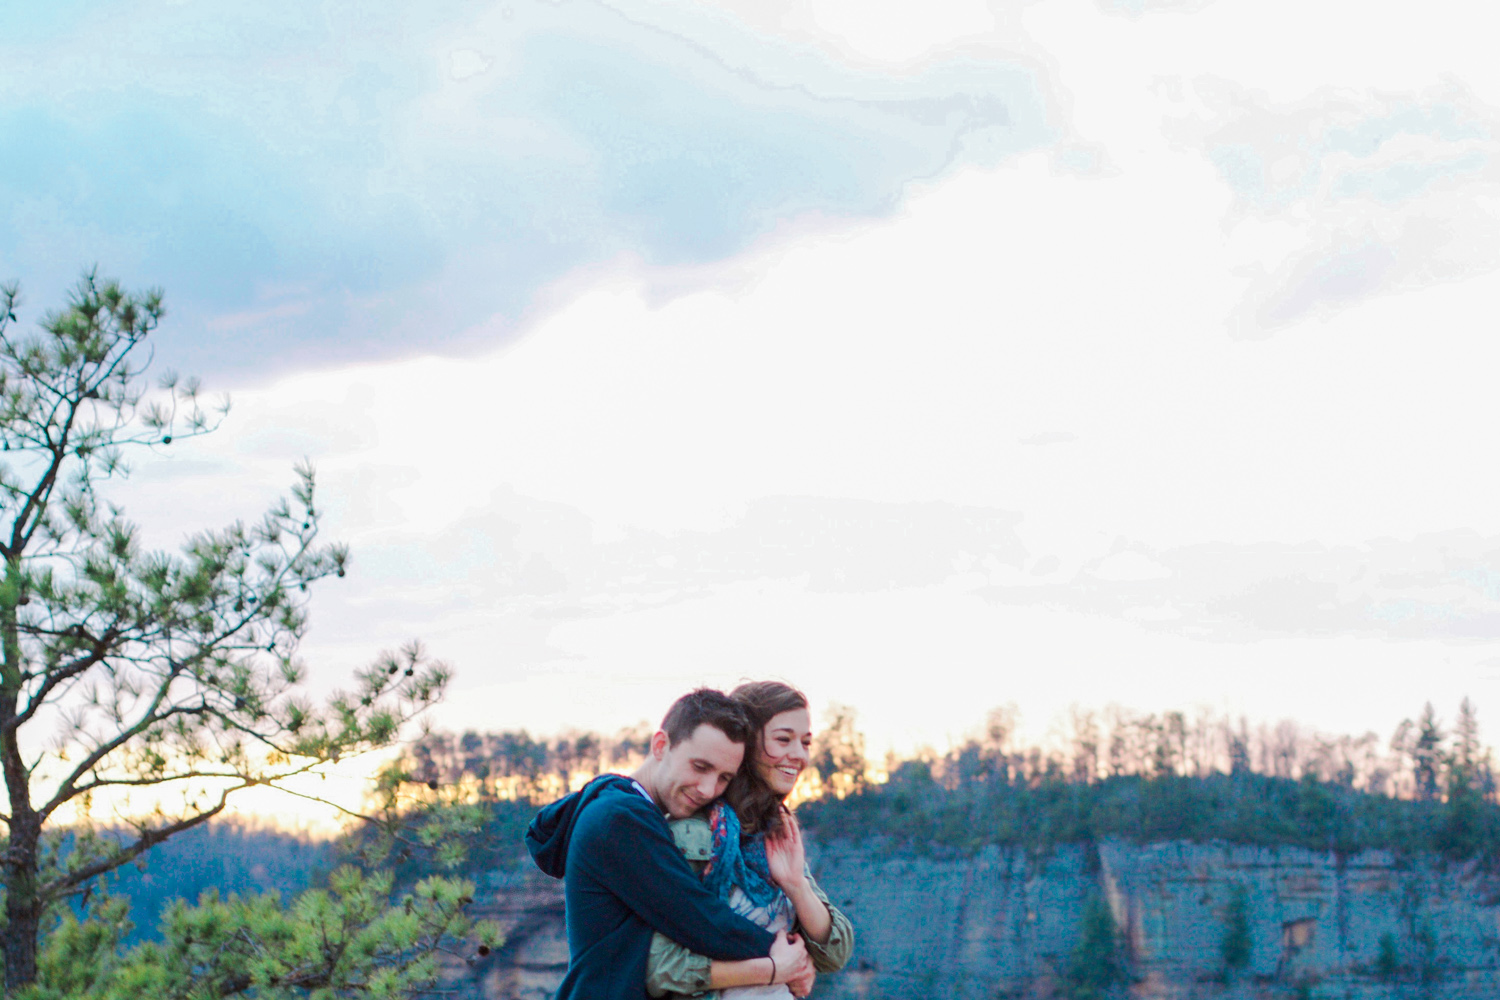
(1005, 924)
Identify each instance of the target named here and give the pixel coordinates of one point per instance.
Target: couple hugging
(689, 876)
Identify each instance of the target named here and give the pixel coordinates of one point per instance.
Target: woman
(748, 847)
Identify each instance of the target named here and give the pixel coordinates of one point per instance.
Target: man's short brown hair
(706, 706)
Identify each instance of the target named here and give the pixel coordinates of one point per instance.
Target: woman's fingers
(781, 837)
(793, 834)
(780, 859)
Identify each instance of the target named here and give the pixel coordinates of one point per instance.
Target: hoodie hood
(551, 831)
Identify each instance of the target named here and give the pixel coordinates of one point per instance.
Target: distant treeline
(512, 766)
(1114, 773)
(1168, 777)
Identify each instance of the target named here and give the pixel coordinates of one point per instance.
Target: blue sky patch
(316, 185)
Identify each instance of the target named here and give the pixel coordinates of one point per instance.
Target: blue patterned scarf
(735, 864)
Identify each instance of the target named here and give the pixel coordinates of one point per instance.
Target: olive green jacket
(674, 973)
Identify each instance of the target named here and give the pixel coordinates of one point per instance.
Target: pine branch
(149, 839)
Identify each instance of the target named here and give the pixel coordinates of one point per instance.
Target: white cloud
(1135, 8)
(1384, 191)
(466, 63)
(891, 31)
(514, 509)
(1129, 566)
(873, 32)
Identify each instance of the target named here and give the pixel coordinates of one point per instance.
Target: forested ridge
(1430, 787)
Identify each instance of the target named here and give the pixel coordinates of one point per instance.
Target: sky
(932, 357)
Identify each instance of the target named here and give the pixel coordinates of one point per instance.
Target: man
(623, 875)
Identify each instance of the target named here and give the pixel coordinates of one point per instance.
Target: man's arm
(673, 970)
(626, 848)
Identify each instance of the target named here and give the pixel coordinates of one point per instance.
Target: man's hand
(793, 963)
(786, 856)
(801, 987)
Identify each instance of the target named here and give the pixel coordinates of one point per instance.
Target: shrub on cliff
(1235, 947)
(1095, 967)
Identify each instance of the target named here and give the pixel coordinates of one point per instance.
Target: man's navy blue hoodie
(624, 878)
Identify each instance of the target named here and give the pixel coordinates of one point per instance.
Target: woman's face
(786, 744)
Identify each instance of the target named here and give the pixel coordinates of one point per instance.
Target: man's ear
(659, 744)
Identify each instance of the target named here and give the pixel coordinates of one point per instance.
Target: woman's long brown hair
(758, 805)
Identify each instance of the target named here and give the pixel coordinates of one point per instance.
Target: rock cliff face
(528, 906)
(1005, 924)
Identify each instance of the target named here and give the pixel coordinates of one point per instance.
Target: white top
(779, 916)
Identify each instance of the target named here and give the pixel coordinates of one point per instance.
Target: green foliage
(248, 862)
(1095, 966)
(346, 941)
(1235, 947)
(78, 953)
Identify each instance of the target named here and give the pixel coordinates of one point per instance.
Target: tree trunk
(23, 911)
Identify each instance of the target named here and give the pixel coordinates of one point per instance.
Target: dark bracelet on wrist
(772, 980)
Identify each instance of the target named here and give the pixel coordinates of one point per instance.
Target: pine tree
(1463, 819)
(143, 670)
(1426, 752)
(1465, 763)
(1094, 968)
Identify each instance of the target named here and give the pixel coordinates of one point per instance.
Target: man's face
(696, 771)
